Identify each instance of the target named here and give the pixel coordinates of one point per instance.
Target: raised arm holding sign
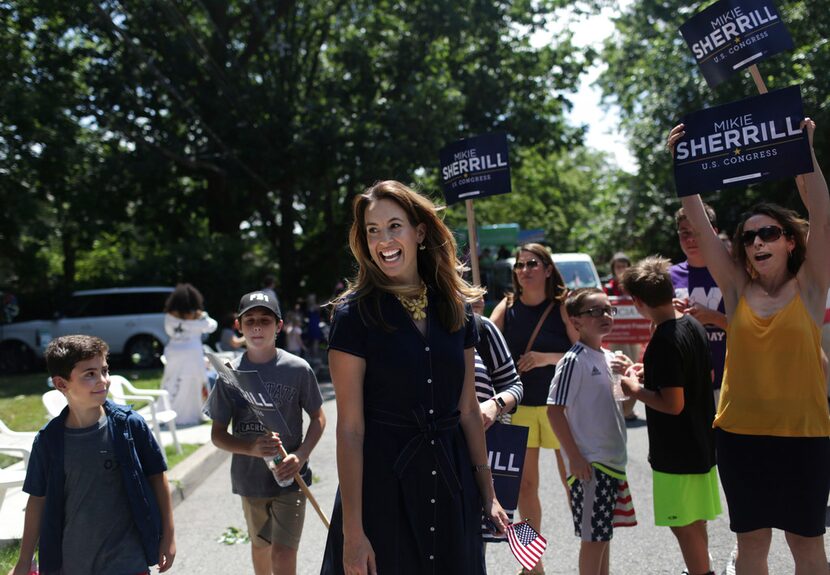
(773, 419)
(753, 140)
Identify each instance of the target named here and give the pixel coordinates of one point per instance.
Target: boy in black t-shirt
(679, 410)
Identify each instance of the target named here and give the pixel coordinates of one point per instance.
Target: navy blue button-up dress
(421, 505)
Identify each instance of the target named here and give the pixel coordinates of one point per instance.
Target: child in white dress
(184, 373)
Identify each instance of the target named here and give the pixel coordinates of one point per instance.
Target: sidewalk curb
(190, 473)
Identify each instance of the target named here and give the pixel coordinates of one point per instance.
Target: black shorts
(780, 482)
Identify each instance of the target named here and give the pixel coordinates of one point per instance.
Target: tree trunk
(222, 206)
(285, 249)
(70, 258)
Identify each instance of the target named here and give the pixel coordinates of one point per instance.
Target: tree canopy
(214, 141)
(651, 75)
(208, 140)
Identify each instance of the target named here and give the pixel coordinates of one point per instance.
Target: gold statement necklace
(417, 305)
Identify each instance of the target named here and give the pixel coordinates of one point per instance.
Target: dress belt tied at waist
(431, 431)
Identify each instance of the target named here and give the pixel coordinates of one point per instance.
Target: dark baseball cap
(258, 299)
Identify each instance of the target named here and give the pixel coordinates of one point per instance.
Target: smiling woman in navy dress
(411, 453)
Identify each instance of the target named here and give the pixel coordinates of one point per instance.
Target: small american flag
(527, 545)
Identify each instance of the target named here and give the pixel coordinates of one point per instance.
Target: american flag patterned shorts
(601, 504)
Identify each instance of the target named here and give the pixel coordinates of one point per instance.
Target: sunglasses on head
(766, 233)
(599, 311)
(529, 264)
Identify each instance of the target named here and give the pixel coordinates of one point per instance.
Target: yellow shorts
(535, 418)
(275, 519)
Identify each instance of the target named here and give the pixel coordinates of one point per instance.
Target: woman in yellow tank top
(772, 425)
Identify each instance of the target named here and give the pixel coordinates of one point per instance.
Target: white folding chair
(10, 477)
(54, 401)
(17, 443)
(122, 390)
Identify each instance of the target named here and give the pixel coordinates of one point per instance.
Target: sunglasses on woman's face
(529, 264)
(766, 233)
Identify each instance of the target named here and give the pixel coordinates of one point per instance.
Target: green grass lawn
(174, 458)
(22, 410)
(8, 557)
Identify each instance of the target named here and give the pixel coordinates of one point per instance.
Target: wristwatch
(500, 402)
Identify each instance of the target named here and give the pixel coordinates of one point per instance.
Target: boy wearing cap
(274, 514)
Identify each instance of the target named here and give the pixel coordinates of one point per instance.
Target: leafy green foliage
(211, 141)
(234, 536)
(573, 195)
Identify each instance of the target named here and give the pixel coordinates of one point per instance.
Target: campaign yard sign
(475, 167)
(629, 326)
(731, 35)
(506, 446)
(745, 142)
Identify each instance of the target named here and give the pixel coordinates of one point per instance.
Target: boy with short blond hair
(585, 417)
(99, 502)
(274, 514)
(680, 409)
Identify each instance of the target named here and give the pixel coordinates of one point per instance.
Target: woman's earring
(422, 247)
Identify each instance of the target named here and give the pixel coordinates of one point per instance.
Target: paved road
(211, 509)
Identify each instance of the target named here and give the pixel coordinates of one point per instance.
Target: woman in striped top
(498, 387)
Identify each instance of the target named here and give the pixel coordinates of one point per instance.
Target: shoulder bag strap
(542, 319)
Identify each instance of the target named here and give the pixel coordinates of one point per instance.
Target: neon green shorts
(535, 418)
(681, 499)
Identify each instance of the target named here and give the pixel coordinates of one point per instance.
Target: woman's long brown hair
(438, 264)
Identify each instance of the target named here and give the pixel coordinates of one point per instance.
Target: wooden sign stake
(759, 81)
(303, 487)
(473, 241)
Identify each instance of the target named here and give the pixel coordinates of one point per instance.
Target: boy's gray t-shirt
(99, 534)
(293, 388)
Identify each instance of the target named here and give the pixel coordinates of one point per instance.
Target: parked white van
(577, 270)
(130, 320)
